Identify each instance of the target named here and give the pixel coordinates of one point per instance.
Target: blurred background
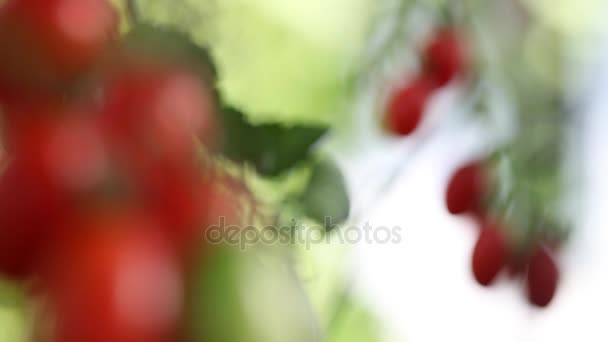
(311, 101)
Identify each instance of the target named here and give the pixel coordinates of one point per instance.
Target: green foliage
(270, 148)
(169, 46)
(326, 198)
(279, 61)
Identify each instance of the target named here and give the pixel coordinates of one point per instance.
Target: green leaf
(270, 148)
(326, 198)
(169, 46)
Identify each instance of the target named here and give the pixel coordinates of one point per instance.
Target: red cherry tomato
(31, 215)
(466, 189)
(155, 113)
(67, 149)
(407, 106)
(444, 56)
(490, 255)
(543, 276)
(114, 279)
(178, 195)
(49, 43)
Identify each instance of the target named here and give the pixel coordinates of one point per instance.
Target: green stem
(132, 11)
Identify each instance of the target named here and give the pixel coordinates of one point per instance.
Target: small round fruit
(113, 279)
(31, 213)
(177, 194)
(466, 189)
(490, 255)
(67, 151)
(444, 56)
(543, 276)
(156, 112)
(52, 42)
(407, 106)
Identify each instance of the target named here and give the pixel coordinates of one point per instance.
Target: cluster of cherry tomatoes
(443, 60)
(102, 195)
(497, 248)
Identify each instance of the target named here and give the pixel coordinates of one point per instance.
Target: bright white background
(423, 288)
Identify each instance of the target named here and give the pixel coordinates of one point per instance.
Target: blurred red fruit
(490, 254)
(543, 276)
(466, 189)
(67, 151)
(444, 56)
(114, 279)
(53, 41)
(31, 215)
(19, 113)
(178, 195)
(407, 106)
(157, 113)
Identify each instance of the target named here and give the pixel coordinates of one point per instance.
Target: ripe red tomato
(113, 279)
(66, 150)
(31, 216)
(20, 112)
(543, 276)
(177, 194)
(491, 254)
(53, 155)
(444, 56)
(466, 189)
(407, 106)
(51, 42)
(151, 112)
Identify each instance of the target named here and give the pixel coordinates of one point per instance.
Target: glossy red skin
(155, 113)
(444, 56)
(52, 42)
(113, 280)
(490, 254)
(466, 189)
(542, 277)
(407, 106)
